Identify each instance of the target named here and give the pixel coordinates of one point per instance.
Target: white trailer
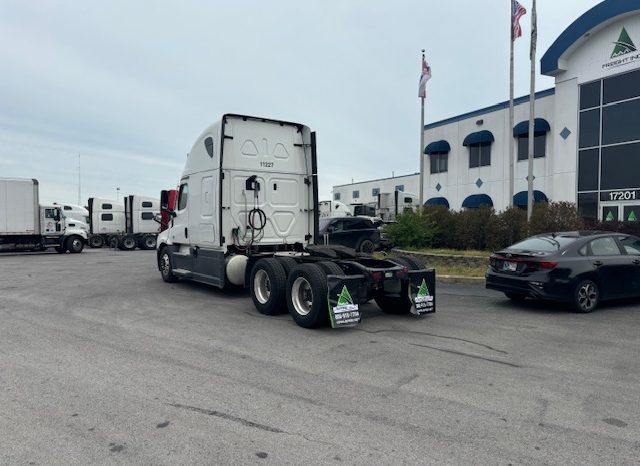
(124, 225)
(391, 204)
(25, 224)
(247, 216)
(333, 209)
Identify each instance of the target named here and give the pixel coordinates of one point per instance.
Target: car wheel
(75, 244)
(585, 296)
(267, 284)
(515, 296)
(366, 246)
(166, 266)
(307, 296)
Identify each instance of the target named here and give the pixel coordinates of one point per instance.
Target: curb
(461, 279)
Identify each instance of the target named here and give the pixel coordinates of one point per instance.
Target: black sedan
(579, 267)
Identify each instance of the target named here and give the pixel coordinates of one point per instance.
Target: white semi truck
(389, 205)
(247, 216)
(333, 209)
(127, 225)
(25, 224)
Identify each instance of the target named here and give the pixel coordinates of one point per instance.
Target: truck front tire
(74, 244)
(267, 285)
(166, 266)
(307, 296)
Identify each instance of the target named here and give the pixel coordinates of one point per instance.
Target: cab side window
(183, 196)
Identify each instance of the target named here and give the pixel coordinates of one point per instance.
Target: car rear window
(547, 243)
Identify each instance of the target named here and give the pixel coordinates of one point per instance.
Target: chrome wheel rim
(165, 265)
(366, 246)
(262, 286)
(301, 296)
(75, 244)
(587, 296)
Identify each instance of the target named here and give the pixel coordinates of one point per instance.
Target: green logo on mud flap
(345, 297)
(624, 45)
(423, 291)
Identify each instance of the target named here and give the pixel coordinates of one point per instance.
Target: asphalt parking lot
(102, 362)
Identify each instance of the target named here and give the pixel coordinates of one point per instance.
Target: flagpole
(532, 56)
(509, 138)
(422, 143)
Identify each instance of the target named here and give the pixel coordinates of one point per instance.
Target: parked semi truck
(125, 225)
(389, 205)
(25, 224)
(333, 209)
(76, 215)
(247, 215)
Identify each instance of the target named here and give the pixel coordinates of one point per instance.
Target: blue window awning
(481, 137)
(540, 125)
(520, 199)
(437, 201)
(476, 200)
(437, 146)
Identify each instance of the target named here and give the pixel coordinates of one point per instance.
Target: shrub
(554, 216)
(505, 228)
(412, 229)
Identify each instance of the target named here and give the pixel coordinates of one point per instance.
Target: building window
(375, 191)
(106, 217)
(479, 154)
(539, 146)
(356, 194)
(439, 162)
(336, 196)
(400, 187)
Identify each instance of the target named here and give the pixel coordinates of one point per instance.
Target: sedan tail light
(542, 264)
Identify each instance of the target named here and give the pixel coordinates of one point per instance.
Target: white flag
(424, 77)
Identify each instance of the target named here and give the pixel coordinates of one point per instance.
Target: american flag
(424, 77)
(517, 12)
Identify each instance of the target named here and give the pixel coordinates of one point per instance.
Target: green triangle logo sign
(345, 297)
(624, 45)
(423, 291)
(609, 217)
(632, 217)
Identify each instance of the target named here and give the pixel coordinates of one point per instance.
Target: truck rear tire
(96, 241)
(148, 242)
(75, 244)
(287, 263)
(166, 266)
(409, 262)
(331, 268)
(307, 296)
(127, 243)
(267, 285)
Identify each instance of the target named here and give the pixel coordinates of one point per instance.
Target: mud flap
(422, 289)
(344, 293)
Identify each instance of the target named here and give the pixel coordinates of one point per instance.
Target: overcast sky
(130, 85)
